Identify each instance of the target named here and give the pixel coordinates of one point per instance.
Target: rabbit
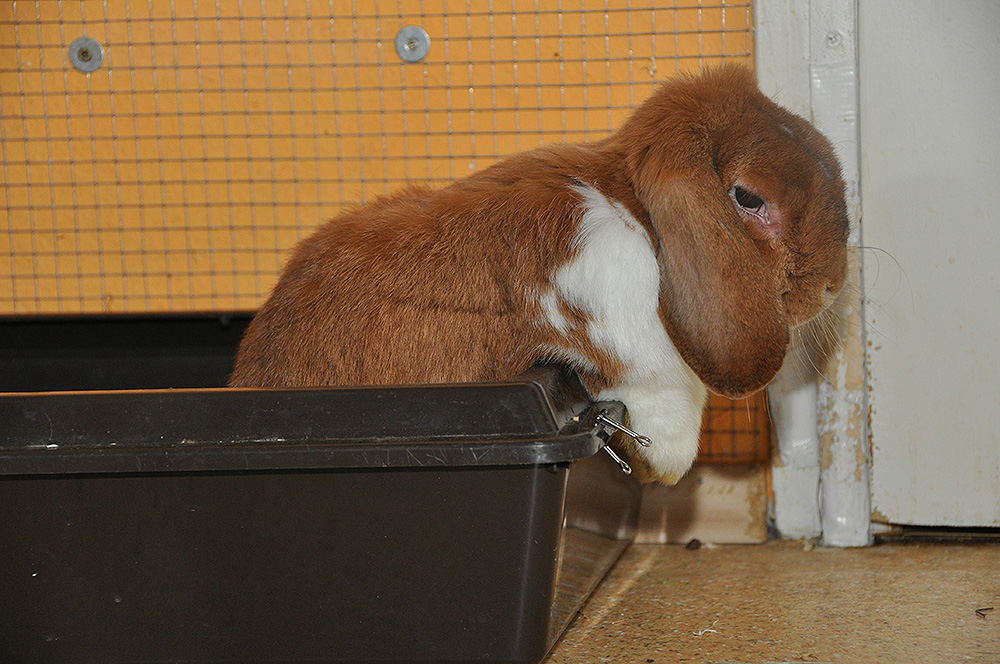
(669, 259)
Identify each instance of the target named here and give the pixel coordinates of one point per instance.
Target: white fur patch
(616, 279)
(550, 306)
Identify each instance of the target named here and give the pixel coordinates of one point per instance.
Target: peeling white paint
(845, 497)
(806, 57)
(840, 409)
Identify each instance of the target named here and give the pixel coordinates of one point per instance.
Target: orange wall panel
(214, 136)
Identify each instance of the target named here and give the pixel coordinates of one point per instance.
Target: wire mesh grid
(217, 133)
(735, 431)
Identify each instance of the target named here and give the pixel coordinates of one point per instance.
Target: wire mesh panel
(213, 134)
(172, 164)
(735, 431)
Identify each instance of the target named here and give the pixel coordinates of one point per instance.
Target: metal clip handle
(638, 438)
(627, 469)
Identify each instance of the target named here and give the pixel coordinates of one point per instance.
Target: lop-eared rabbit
(671, 258)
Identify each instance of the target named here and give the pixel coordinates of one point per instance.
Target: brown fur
(435, 286)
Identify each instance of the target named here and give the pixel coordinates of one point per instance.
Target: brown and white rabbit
(673, 255)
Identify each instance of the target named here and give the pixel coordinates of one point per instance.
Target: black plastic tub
(448, 523)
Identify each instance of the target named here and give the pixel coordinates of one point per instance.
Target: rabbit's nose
(836, 284)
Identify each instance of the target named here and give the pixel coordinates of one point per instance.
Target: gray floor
(784, 602)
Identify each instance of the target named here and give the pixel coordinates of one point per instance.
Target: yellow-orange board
(214, 135)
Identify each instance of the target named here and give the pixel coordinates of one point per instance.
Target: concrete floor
(782, 602)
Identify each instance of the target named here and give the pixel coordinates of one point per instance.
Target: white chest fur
(615, 279)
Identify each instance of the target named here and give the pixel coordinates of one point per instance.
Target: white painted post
(806, 59)
(795, 467)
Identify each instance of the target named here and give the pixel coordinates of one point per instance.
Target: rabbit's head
(747, 205)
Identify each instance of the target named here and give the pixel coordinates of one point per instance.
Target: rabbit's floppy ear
(721, 296)
(720, 301)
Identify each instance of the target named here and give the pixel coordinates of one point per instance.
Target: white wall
(930, 191)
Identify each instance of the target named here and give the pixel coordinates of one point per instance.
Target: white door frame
(806, 59)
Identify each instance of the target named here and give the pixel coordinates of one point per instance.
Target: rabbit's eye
(756, 211)
(747, 199)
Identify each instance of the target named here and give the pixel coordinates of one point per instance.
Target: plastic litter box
(140, 522)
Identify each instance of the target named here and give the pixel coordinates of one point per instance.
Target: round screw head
(86, 54)
(413, 43)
